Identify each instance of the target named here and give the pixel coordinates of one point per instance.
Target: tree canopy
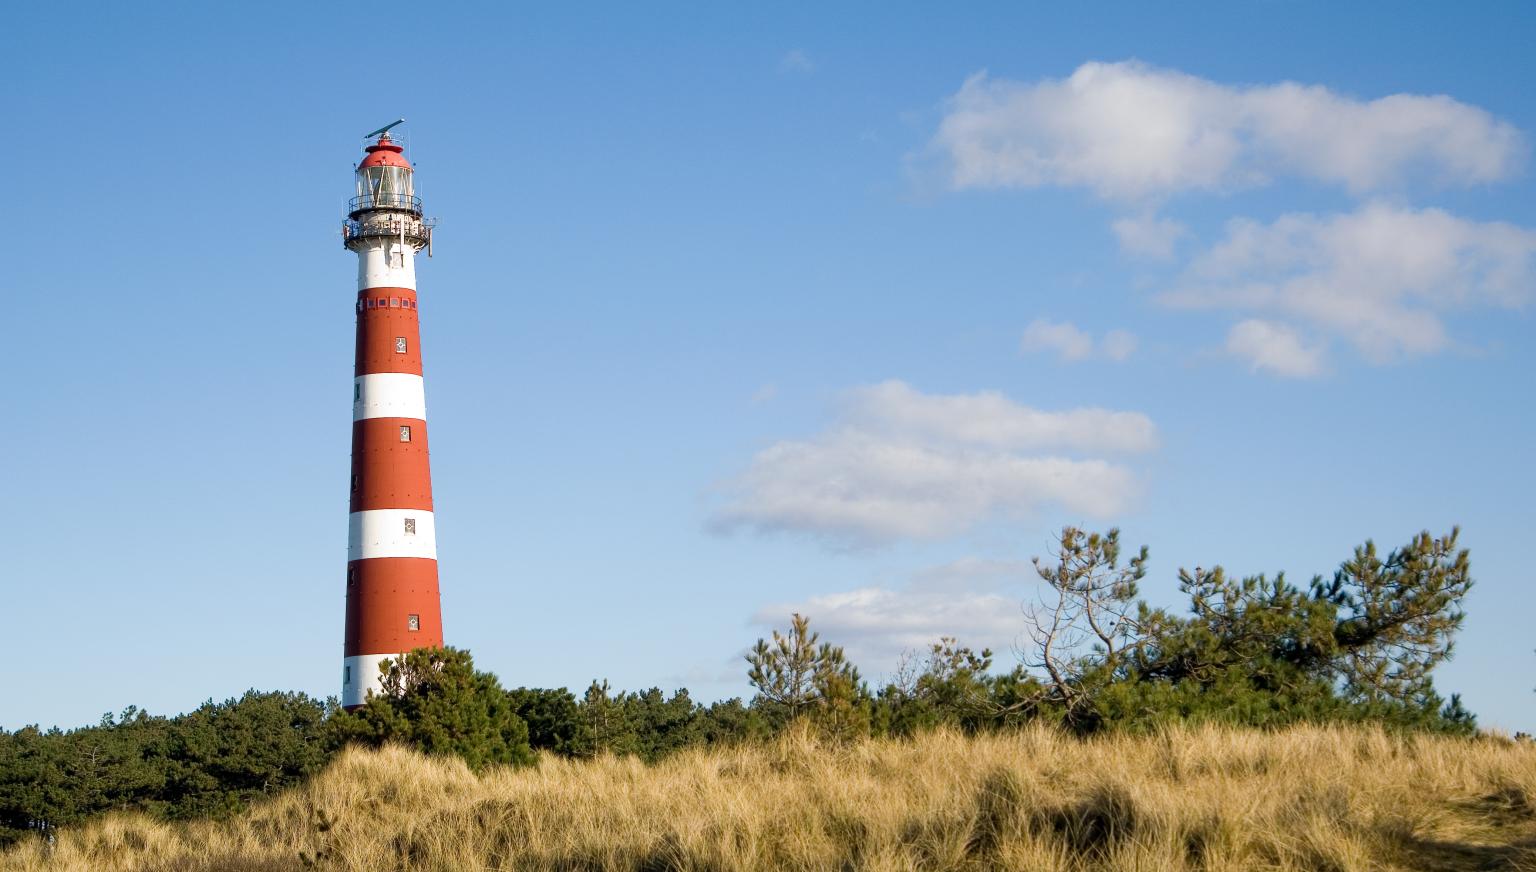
(434, 700)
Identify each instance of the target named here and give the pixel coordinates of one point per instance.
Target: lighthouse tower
(392, 597)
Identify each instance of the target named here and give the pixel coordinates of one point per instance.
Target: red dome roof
(384, 153)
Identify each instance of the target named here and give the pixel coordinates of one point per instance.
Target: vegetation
(211, 761)
(1337, 798)
(1102, 667)
(436, 701)
(795, 677)
(1259, 651)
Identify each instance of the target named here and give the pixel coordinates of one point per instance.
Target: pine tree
(554, 720)
(1398, 617)
(434, 699)
(795, 677)
(606, 721)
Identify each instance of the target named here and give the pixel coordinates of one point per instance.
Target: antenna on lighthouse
(385, 129)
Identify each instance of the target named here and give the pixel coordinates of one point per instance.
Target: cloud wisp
(1129, 131)
(1274, 348)
(796, 62)
(975, 600)
(1071, 343)
(901, 464)
(1149, 236)
(1381, 278)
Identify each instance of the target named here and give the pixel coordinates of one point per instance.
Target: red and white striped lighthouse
(392, 598)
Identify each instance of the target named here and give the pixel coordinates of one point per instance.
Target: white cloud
(1128, 131)
(976, 574)
(901, 464)
(1274, 348)
(990, 420)
(1118, 344)
(1380, 277)
(977, 601)
(796, 61)
(1072, 343)
(860, 489)
(1149, 236)
(1063, 338)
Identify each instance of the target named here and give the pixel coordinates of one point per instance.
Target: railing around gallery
(384, 201)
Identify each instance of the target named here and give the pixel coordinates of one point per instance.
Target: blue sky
(738, 311)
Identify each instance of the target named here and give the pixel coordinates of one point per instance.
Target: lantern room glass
(384, 186)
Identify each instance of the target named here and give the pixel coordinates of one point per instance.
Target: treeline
(215, 760)
(208, 762)
(1360, 645)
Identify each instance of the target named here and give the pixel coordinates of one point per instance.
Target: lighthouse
(393, 604)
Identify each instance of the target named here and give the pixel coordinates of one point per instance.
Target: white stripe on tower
(354, 671)
(389, 395)
(383, 267)
(391, 533)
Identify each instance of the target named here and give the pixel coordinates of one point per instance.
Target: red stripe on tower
(393, 603)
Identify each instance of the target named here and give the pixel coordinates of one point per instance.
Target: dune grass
(1312, 798)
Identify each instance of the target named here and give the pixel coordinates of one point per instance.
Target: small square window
(405, 432)
(413, 622)
(369, 301)
(383, 302)
(359, 305)
(394, 302)
(410, 526)
(399, 344)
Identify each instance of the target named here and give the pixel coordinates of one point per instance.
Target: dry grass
(1304, 799)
